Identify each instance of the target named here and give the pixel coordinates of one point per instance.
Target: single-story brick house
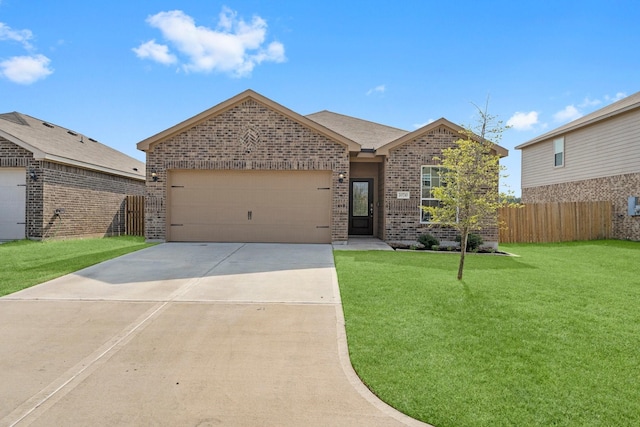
(56, 183)
(251, 170)
(593, 158)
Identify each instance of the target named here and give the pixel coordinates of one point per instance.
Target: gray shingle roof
(54, 143)
(368, 134)
(629, 103)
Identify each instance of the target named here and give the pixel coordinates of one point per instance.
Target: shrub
(428, 240)
(473, 241)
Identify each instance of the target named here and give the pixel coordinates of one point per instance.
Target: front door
(361, 206)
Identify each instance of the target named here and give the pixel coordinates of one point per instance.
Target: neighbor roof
(57, 144)
(627, 104)
(368, 134)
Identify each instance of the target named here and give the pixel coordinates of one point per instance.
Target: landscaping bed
(415, 246)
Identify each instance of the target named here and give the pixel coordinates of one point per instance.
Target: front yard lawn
(24, 263)
(550, 338)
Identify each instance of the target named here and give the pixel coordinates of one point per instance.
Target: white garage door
(13, 196)
(249, 206)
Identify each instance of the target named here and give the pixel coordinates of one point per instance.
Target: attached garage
(249, 206)
(247, 170)
(13, 203)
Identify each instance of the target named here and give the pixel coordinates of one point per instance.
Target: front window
(558, 149)
(431, 178)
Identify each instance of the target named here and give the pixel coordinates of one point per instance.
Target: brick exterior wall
(248, 136)
(403, 173)
(615, 189)
(93, 202)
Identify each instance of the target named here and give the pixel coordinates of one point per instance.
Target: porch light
(32, 175)
(154, 176)
(341, 177)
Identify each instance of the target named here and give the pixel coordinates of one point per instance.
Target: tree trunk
(463, 251)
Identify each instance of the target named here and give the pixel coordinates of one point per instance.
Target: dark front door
(361, 206)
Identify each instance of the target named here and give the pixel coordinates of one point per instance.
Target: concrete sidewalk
(186, 334)
(362, 243)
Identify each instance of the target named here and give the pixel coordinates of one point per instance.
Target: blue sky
(121, 71)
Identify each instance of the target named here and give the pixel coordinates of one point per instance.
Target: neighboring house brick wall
(217, 144)
(12, 155)
(403, 173)
(615, 189)
(93, 202)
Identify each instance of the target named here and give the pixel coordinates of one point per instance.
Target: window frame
(422, 187)
(558, 143)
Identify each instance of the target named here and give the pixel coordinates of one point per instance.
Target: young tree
(469, 195)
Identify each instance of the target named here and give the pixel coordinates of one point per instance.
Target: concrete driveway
(186, 334)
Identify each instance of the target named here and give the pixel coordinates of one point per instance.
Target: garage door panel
(13, 203)
(293, 216)
(203, 196)
(193, 233)
(222, 216)
(250, 206)
(235, 233)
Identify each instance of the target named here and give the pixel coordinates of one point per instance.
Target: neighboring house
(251, 170)
(55, 182)
(593, 158)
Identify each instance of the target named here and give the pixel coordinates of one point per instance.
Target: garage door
(12, 203)
(249, 206)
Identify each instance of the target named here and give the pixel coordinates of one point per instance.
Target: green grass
(24, 263)
(550, 338)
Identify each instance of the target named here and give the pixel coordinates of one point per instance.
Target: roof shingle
(54, 143)
(368, 134)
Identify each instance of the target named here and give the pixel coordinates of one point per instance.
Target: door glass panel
(360, 199)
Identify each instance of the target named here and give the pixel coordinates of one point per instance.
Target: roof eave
(20, 143)
(89, 166)
(384, 150)
(230, 103)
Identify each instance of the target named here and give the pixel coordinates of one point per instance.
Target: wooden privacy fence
(135, 215)
(556, 222)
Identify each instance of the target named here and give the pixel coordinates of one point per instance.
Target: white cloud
(156, 52)
(20, 36)
(618, 96)
(377, 89)
(569, 113)
(523, 121)
(25, 69)
(234, 46)
(421, 125)
(588, 102)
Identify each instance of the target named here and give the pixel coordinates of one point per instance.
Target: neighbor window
(430, 180)
(558, 149)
